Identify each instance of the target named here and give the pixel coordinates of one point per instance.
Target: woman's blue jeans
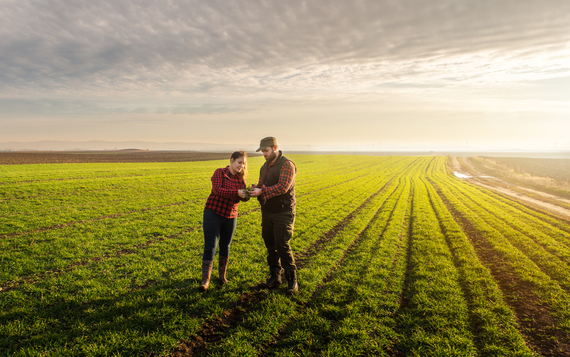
(217, 229)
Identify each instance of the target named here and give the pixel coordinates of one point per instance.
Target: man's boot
(273, 280)
(222, 267)
(292, 286)
(206, 272)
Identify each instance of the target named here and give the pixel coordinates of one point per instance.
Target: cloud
(405, 71)
(259, 48)
(12, 108)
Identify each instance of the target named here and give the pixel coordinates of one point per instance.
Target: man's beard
(271, 157)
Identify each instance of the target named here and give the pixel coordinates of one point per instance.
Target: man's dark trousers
(277, 231)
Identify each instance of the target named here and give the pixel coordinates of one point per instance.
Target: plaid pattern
(224, 199)
(286, 179)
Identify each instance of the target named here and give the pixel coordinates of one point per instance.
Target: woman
(220, 215)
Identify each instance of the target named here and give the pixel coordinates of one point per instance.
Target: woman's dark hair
(236, 155)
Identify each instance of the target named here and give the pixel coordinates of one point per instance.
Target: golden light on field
(363, 75)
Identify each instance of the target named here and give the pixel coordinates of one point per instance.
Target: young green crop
(548, 291)
(104, 259)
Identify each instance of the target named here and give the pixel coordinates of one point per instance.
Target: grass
(104, 259)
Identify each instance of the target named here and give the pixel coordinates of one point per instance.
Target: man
(276, 194)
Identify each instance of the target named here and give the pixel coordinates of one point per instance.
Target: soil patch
(213, 329)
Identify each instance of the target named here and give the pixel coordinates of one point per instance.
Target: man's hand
(256, 192)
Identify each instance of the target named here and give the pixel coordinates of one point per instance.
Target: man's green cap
(267, 142)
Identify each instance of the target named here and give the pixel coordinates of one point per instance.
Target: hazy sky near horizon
(375, 73)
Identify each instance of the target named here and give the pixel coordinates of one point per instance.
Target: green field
(396, 257)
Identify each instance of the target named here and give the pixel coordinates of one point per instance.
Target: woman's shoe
(222, 268)
(206, 273)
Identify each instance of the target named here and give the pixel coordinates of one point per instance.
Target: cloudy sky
(373, 74)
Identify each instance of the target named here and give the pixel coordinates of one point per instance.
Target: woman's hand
(241, 193)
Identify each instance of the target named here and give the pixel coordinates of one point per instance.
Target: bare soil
(67, 157)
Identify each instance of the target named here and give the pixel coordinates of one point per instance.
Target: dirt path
(471, 174)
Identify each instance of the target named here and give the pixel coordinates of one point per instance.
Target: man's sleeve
(286, 179)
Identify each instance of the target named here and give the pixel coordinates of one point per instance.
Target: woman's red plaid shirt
(224, 199)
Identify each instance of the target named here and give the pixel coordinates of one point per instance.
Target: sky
(318, 75)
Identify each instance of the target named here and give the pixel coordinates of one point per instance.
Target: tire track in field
(536, 321)
(535, 211)
(316, 246)
(213, 329)
(535, 198)
(392, 278)
(426, 169)
(474, 324)
(555, 207)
